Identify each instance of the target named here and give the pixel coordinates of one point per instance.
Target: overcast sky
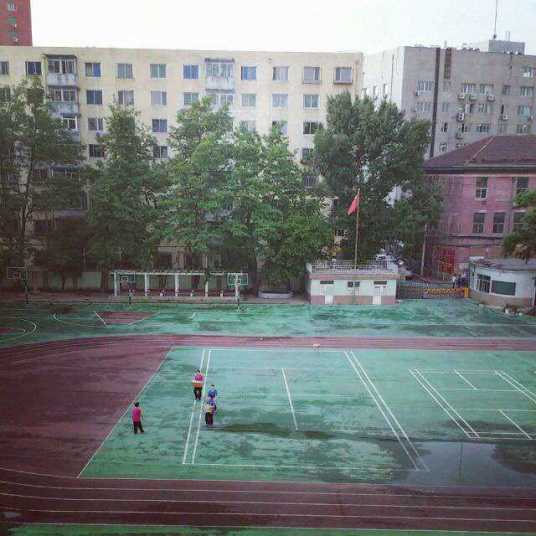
(294, 25)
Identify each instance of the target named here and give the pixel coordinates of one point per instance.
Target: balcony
(219, 74)
(60, 79)
(347, 267)
(64, 107)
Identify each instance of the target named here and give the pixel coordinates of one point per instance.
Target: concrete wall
(16, 26)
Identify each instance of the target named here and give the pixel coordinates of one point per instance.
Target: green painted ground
(319, 415)
(20, 324)
(96, 530)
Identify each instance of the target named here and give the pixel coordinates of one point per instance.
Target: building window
(485, 107)
(280, 74)
(523, 128)
(522, 184)
(279, 100)
(425, 85)
(190, 98)
(468, 87)
(385, 93)
(248, 73)
(307, 155)
(159, 125)
(518, 221)
(5, 94)
(353, 284)
(96, 151)
(124, 71)
(479, 219)
(524, 110)
(444, 127)
(507, 90)
(311, 75)
(311, 101)
(469, 108)
(483, 127)
(424, 106)
(158, 70)
(343, 75)
(527, 71)
(506, 288)
(226, 99)
(326, 282)
(4, 68)
(310, 127)
(11, 6)
(481, 191)
(158, 98)
(310, 180)
(190, 72)
(160, 151)
(526, 91)
(125, 97)
(33, 68)
(447, 85)
(220, 99)
(94, 96)
(70, 121)
(249, 100)
(443, 147)
(498, 222)
(62, 94)
(95, 124)
(503, 128)
(445, 106)
(464, 127)
(248, 126)
(486, 89)
(93, 70)
(483, 283)
(281, 126)
(62, 66)
(217, 69)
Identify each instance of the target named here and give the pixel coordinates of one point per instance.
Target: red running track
(55, 415)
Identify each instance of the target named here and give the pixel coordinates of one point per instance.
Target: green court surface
(125, 530)
(334, 416)
(21, 324)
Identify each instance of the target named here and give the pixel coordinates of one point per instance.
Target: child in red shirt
(136, 418)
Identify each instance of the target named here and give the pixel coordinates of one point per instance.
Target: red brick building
(479, 183)
(15, 22)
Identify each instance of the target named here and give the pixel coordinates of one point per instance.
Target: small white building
(502, 282)
(339, 283)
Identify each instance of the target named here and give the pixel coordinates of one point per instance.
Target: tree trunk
(104, 279)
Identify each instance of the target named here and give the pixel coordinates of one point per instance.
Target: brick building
(15, 22)
(479, 183)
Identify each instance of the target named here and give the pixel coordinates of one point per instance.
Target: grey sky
(343, 25)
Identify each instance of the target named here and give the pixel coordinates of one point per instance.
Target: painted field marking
(379, 406)
(289, 399)
(443, 371)
(137, 397)
(425, 384)
(141, 319)
(458, 373)
(100, 318)
(515, 424)
(25, 333)
(518, 386)
(192, 414)
(201, 410)
(447, 389)
(88, 324)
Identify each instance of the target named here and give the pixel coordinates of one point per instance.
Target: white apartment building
(467, 94)
(261, 88)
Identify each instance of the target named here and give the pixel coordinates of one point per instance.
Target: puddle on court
(475, 464)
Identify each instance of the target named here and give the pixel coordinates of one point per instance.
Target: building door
(329, 291)
(379, 290)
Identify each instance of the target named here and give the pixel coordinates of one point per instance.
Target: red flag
(354, 207)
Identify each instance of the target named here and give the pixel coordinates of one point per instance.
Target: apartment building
(15, 23)
(467, 94)
(479, 185)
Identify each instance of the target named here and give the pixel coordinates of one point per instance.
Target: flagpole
(356, 233)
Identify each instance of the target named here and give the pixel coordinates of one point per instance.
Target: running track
(55, 415)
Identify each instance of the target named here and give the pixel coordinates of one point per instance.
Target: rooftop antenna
(495, 25)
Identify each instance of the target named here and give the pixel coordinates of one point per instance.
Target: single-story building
(503, 282)
(340, 283)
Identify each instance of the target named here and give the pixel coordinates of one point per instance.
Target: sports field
(415, 416)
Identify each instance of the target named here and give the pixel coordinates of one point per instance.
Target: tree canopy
(522, 242)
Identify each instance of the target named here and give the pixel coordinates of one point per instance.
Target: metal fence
(416, 290)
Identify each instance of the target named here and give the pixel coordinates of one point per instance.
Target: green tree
(371, 147)
(32, 142)
(125, 214)
(522, 242)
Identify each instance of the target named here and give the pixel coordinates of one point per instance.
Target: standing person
(197, 382)
(130, 296)
(136, 418)
(212, 393)
(210, 410)
(454, 280)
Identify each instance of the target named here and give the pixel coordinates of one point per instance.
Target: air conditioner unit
(459, 135)
(491, 98)
(530, 118)
(461, 96)
(504, 117)
(460, 116)
(472, 96)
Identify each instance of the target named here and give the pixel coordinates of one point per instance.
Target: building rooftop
(508, 263)
(498, 153)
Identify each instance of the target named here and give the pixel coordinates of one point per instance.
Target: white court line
(395, 433)
(439, 403)
(289, 399)
(137, 397)
(192, 415)
(465, 379)
(280, 349)
(443, 371)
(192, 316)
(100, 318)
(4, 338)
(447, 389)
(88, 324)
(515, 424)
(201, 410)
(519, 387)
(141, 319)
(395, 420)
